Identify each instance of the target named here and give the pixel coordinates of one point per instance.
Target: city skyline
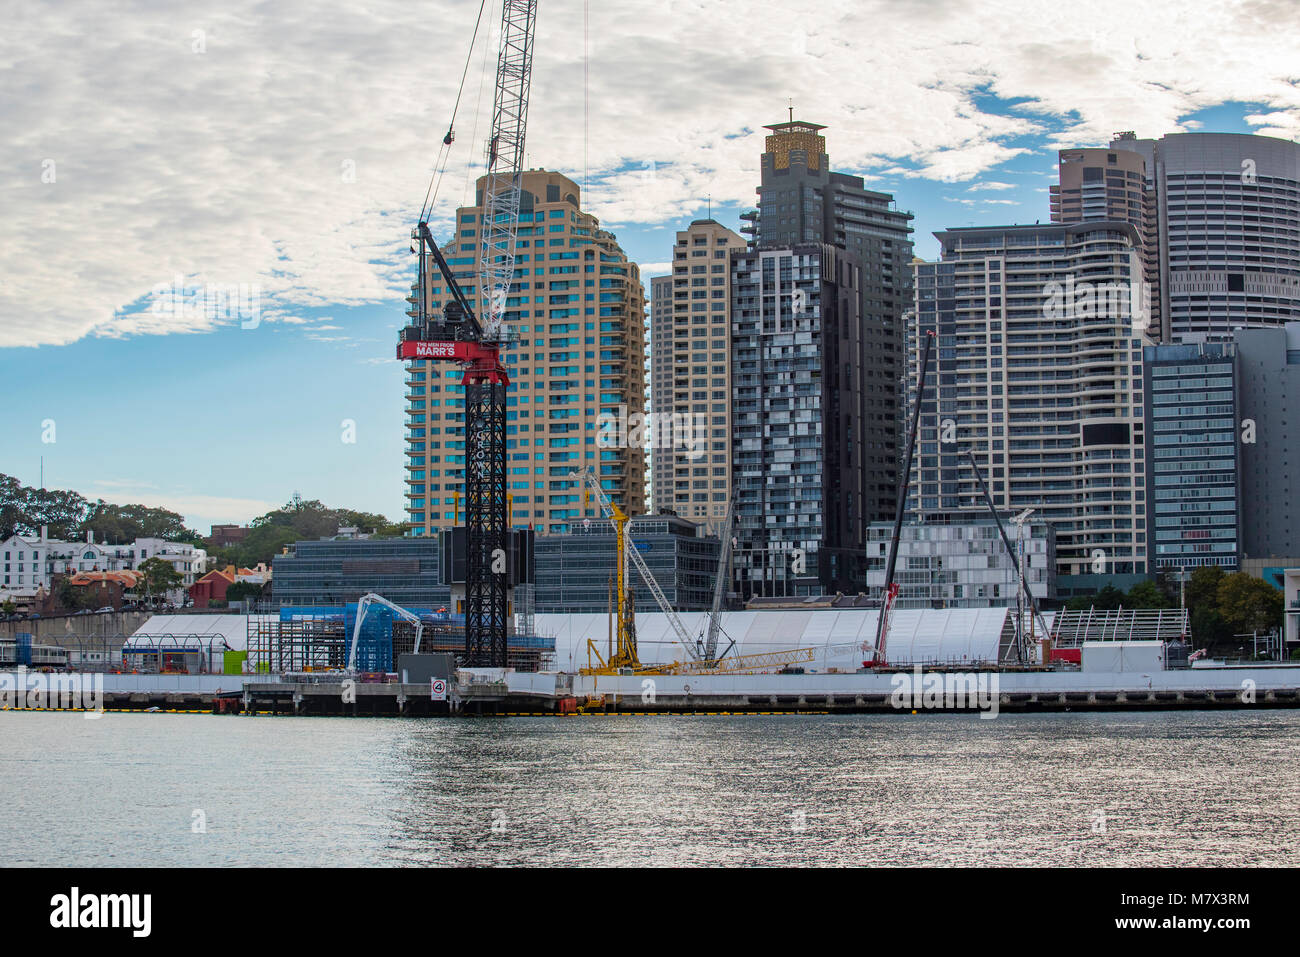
(220, 424)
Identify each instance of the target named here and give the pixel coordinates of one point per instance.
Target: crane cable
(478, 113)
(440, 165)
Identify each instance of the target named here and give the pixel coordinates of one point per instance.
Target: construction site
(487, 652)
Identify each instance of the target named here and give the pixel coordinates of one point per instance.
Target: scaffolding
(1072, 628)
(447, 636)
(309, 639)
(303, 640)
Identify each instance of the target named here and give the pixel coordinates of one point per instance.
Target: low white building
(29, 564)
(1291, 608)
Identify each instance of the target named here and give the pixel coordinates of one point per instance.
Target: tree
(1203, 587)
(1169, 584)
(1208, 627)
(159, 576)
(23, 510)
(1249, 604)
(70, 597)
(300, 520)
(1147, 594)
(126, 523)
(240, 591)
(7, 607)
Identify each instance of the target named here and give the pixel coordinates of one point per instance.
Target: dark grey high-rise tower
(800, 201)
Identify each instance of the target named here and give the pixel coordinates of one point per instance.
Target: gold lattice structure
(788, 137)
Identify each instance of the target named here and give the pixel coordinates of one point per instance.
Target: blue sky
(236, 182)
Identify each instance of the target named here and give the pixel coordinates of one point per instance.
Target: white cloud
(199, 510)
(232, 165)
(990, 185)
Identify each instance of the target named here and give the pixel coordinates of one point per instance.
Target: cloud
(990, 185)
(198, 509)
(289, 145)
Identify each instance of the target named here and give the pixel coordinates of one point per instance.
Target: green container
(233, 662)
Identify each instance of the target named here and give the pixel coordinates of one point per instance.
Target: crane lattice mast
(475, 342)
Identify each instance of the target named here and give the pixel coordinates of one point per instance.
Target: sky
(276, 154)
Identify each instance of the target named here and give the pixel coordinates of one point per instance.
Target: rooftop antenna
(791, 101)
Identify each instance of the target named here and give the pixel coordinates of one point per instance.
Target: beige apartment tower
(577, 314)
(1111, 185)
(691, 376)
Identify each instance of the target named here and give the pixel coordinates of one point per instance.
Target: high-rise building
(801, 200)
(691, 377)
(661, 330)
(1193, 487)
(1268, 377)
(1037, 368)
(577, 310)
(1221, 217)
(1098, 185)
(797, 425)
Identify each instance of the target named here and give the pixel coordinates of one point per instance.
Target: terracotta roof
(127, 579)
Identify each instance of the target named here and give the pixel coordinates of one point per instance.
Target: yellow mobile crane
(623, 655)
(704, 661)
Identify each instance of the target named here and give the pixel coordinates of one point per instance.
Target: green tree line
(68, 515)
(1220, 605)
(296, 521)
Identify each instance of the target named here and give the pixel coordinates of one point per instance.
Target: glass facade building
(1268, 385)
(964, 565)
(574, 569)
(802, 200)
(797, 421)
(1193, 500)
(406, 571)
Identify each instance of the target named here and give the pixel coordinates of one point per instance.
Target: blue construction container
(23, 648)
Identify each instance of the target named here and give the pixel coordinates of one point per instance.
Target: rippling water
(1109, 789)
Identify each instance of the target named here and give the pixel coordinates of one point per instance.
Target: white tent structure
(232, 629)
(948, 635)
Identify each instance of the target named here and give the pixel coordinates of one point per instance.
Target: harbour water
(1162, 788)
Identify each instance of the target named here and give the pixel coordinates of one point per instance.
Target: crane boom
(719, 586)
(607, 508)
(891, 587)
(363, 605)
(505, 163)
(475, 342)
(1023, 652)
